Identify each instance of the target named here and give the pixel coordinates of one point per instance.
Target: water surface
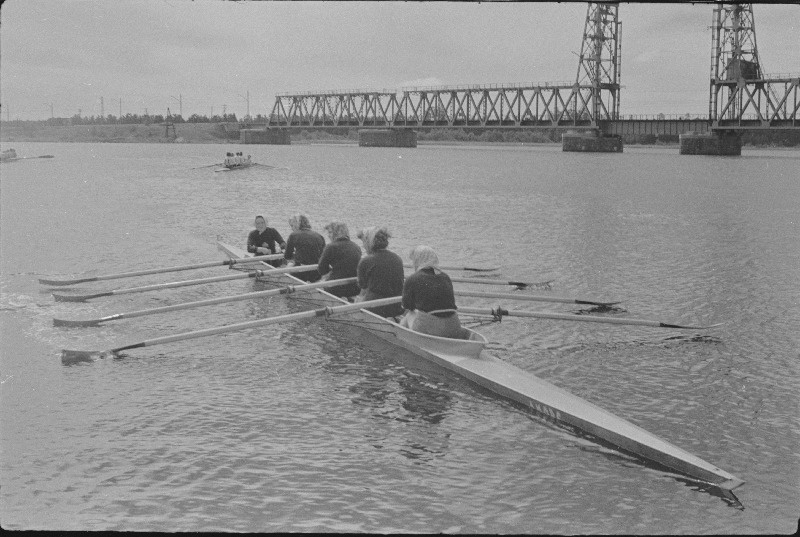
(315, 427)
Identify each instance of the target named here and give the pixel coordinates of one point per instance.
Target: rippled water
(316, 427)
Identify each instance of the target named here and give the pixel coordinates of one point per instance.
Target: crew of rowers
(428, 302)
(237, 159)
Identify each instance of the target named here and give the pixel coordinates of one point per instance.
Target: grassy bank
(222, 133)
(195, 133)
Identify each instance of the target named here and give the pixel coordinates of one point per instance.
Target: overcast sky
(153, 54)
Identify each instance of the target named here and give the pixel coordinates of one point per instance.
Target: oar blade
(690, 326)
(70, 357)
(65, 282)
(77, 298)
(76, 322)
(593, 303)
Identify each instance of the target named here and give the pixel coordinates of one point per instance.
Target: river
(315, 427)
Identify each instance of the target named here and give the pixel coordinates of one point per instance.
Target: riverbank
(227, 133)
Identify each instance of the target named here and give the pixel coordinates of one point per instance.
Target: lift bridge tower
(741, 97)
(597, 86)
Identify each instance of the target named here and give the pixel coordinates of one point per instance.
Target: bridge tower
(599, 65)
(736, 79)
(598, 79)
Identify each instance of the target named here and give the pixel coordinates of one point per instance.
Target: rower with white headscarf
(428, 296)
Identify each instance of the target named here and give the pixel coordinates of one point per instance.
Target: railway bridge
(587, 111)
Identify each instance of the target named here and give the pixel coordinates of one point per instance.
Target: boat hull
(470, 360)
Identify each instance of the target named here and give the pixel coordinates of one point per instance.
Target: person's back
(429, 298)
(304, 247)
(380, 273)
(340, 259)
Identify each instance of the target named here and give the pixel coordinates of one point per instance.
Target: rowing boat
(472, 361)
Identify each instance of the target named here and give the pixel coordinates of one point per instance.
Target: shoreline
(228, 133)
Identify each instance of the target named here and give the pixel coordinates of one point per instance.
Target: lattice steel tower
(600, 60)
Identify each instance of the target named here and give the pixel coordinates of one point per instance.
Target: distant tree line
(139, 119)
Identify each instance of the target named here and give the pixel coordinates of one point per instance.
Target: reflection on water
(311, 426)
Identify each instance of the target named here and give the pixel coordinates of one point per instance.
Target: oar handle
(261, 322)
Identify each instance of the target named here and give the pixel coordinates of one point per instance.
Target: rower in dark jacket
(340, 259)
(304, 247)
(263, 240)
(380, 272)
(428, 296)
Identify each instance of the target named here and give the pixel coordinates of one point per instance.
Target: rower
(304, 246)
(428, 298)
(340, 259)
(380, 272)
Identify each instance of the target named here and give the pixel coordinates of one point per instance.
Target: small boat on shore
(469, 359)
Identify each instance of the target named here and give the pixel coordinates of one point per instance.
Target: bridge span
(741, 98)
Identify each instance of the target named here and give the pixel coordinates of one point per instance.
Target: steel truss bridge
(741, 97)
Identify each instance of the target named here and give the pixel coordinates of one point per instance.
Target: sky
(60, 57)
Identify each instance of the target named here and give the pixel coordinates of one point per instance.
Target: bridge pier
(591, 142)
(387, 138)
(265, 136)
(726, 143)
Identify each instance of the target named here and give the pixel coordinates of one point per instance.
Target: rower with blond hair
(428, 297)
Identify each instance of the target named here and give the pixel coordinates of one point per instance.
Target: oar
(518, 285)
(208, 166)
(230, 262)
(71, 356)
(500, 312)
(208, 302)
(40, 156)
(454, 267)
(171, 285)
(534, 298)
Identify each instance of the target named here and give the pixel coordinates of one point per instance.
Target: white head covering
(424, 257)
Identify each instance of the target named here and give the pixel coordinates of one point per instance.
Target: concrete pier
(713, 143)
(591, 142)
(265, 136)
(387, 138)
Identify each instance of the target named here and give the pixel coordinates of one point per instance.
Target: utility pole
(51, 110)
(120, 108)
(102, 108)
(247, 98)
(224, 108)
(179, 98)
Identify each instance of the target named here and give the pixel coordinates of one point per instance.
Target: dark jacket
(305, 247)
(381, 274)
(341, 258)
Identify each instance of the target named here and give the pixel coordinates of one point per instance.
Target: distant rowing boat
(470, 359)
(235, 162)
